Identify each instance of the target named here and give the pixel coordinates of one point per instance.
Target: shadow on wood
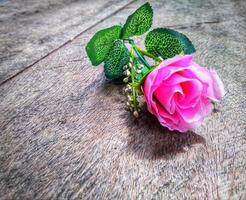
(147, 138)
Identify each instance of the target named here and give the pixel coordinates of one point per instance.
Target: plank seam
(67, 42)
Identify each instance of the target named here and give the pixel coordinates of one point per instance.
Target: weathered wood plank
(31, 29)
(65, 133)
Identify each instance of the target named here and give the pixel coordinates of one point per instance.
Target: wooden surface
(31, 29)
(65, 132)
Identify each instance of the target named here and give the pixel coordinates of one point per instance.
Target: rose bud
(179, 93)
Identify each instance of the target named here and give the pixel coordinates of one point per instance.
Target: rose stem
(137, 85)
(142, 51)
(148, 54)
(141, 58)
(133, 81)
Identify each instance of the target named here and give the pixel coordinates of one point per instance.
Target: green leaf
(117, 58)
(167, 43)
(100, 44)
(139, 22)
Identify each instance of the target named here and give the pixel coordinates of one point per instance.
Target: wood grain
(66, 133)
(30, 30)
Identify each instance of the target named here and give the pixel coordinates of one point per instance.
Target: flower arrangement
(176, 89)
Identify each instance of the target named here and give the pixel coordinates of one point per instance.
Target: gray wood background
(65, 132)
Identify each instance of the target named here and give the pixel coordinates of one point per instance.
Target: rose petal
(218, 86)
(177, 93)
(192, 90)
(215, 89)
(165, 95)
(197, 113)
(179, 61)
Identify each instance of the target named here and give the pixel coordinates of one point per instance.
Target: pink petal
(192, 90)
(197, 113)
(215, 89)
(218, 86)
(179, 61)
(165, 95)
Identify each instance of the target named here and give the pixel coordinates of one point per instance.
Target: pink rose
(178, 92)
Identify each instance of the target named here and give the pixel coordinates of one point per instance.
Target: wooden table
(64, 129)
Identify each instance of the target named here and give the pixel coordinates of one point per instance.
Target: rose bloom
(179, 92)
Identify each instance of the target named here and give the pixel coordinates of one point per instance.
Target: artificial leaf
(117, 58)
(98, 47)
(167, 43)
(139, 22)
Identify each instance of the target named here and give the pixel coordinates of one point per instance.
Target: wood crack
(197, 24)
(67, 42)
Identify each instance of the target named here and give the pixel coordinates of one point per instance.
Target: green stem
(142, 51)
(139, 83)
(133, 81)
(137, 55)
(141, 58)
